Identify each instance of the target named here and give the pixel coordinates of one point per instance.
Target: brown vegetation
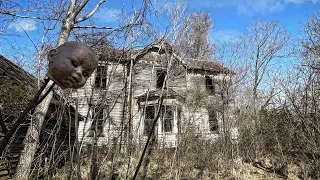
(277, 116)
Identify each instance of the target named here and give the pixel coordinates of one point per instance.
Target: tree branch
(91, 13)
(94, 27)
(80, 7)
(116, 29)
(26, 17)
(71, 6)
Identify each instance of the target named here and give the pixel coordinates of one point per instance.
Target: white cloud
(302, 1)
(225, 36)
(23, 25)
(107, 14)
(164, 4)
(249, 7)
(295, 1)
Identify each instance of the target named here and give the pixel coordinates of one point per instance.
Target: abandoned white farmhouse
(121, 99)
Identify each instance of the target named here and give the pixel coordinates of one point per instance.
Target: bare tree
(194, 37)
(69, 20)
(265, 43)
(302, 100)
(311, 41)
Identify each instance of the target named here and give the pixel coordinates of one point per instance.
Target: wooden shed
(17, 87)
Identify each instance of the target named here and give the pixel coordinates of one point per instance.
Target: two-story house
(121, 99)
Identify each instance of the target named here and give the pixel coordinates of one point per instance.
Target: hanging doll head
(71, 64)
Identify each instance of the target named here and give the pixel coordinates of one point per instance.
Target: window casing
(101, 77)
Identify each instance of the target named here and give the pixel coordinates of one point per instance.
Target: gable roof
(162, 46)
(112, 54)
(8, 68)
(206, 66)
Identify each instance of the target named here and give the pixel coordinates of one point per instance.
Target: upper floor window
(161, 76)
(210, 85)
(101, 77)
(213, 121)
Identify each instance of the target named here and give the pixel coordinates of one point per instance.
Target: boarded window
(98, 118)
(210, 85)
(101, 77)
(213, 121)
(161, 75)
(148, 120)
(167, 118)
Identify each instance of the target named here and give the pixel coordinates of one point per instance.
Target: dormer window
(210, 85)
(101, 77)
(161, 75)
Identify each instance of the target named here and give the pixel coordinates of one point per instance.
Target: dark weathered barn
(17, 87)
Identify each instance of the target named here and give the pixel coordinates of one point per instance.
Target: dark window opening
(167, 118)
(210, 85)
(97, 120)
(148, 120)
(101, 77)
(213, 121)
(161, 75)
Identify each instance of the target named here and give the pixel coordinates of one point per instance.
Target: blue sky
(230, 19)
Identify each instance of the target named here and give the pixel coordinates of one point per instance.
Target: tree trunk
(34, 130)
(32, 137)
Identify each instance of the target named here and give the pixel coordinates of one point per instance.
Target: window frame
(163, 82)
(101, 74)
(98, 115)
(213, 121)
(210, 85)
(169, 119)
(148, 122)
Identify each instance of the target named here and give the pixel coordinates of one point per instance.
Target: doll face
(71, 64)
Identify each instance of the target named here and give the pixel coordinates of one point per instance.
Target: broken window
(98, 118)
(161, 75)
(210, 85)
(167, 118)
(213, 121)
(101, 77)
(148, 120)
